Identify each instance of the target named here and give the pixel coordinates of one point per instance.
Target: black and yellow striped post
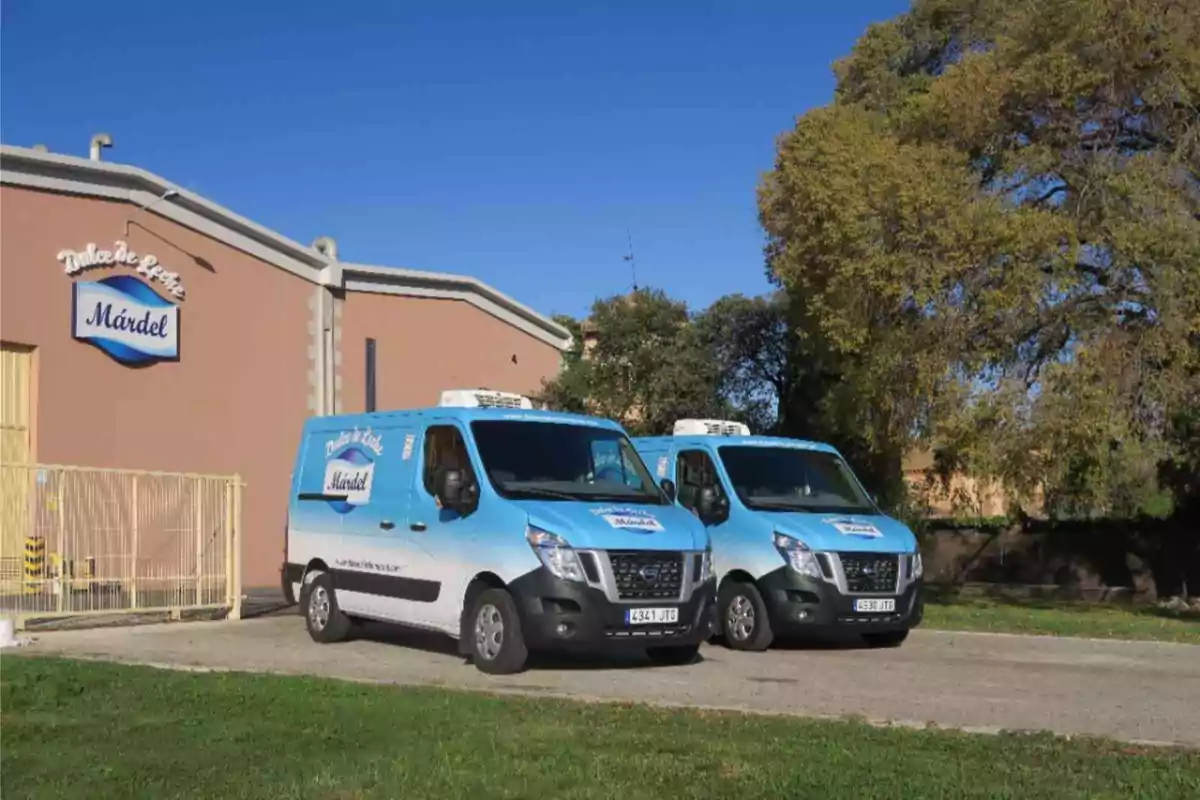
(35, 563)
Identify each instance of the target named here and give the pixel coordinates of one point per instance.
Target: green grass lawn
(89, 730)
(1057, 618)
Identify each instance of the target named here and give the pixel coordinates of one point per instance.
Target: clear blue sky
(511, 141)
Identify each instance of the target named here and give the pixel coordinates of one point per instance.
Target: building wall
(425, 345)
(234, 402)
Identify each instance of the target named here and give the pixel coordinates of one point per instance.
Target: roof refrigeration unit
(710, 427)
(483, 398)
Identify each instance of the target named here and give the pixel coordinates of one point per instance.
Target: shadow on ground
(440, 644)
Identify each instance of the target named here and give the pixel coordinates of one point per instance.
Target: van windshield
(561, 461)
(790, 479)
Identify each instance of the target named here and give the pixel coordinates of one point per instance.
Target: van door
(371, 562)
(695, 470)
(315, 511)
(443, 536)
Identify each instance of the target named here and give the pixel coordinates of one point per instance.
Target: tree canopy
(638, 360)
(991, 240)
(987, 243)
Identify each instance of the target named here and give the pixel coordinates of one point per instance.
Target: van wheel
(743, 617)
(497, 645)
(676, 655)
(325, 621)
(887, 639)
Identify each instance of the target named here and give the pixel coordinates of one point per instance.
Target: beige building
(963, 495)
(148, 328)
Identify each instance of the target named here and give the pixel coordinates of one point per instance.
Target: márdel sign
(121, 314)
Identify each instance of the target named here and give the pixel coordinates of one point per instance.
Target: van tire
(743, 617)
(885, 639)
(318, 603)
(496, 643)
(675, 655)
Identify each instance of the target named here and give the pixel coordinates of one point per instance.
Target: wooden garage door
(16, 447)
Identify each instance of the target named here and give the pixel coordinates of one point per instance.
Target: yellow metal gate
(105, 541)
(16, 447)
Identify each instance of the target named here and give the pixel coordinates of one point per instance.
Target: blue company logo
(850, 527)
(632, 519)
(348, 475)
(126, 319)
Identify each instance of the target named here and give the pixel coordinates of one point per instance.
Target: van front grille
(870, 573)
(647, 574)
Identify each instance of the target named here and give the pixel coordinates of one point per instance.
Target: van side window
(694, 470)
(444, 450)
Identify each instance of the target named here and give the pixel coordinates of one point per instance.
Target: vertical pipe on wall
(370, 393)
(327, 363)
(322, 353)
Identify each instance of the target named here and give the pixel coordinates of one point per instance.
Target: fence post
(235, 553)
(133, 563)
(227, 561)
(198, 493)
(63, 586)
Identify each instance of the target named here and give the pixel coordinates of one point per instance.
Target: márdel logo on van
(849, 527)
(634, 519)
(350, 469)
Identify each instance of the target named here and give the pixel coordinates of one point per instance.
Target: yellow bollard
(35, 564)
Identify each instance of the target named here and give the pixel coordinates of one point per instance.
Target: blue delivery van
(798, 545)
(508, 528)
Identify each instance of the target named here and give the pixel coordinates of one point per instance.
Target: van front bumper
(558, 614)
(798, 604)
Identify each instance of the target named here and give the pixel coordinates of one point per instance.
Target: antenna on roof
(629, 258)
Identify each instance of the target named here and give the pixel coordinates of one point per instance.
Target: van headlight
(706, 565)
(555, 554)
(918, 566)
(798, 556)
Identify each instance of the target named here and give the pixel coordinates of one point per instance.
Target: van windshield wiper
(537, 492)
(626, 498)
(780, 506)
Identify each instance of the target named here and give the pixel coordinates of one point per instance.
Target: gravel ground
(1134, 691)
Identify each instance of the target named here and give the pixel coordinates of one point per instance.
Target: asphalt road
(1135, 691)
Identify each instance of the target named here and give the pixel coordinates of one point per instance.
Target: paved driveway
(1132, 691)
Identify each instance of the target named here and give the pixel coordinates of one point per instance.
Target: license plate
(874, 606)
(651, 616)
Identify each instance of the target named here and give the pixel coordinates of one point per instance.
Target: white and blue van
(508, 528)
(798, 545)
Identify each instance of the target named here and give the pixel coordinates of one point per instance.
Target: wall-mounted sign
(126, 319)
(77, 261)
(121, 314)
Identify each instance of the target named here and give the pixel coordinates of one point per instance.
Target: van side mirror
(449, 489)
(668, 487)
(456, 492)
(713, 505)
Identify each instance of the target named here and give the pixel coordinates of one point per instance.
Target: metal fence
(80, 540)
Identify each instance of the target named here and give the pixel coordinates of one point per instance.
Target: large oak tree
(991, 240)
